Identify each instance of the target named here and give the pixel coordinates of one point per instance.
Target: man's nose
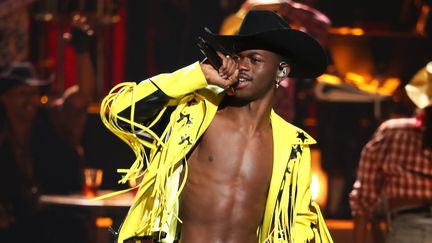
(242, 63)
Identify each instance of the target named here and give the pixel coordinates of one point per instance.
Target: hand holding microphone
(218, 69)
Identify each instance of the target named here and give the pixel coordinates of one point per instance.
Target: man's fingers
(228, 67)
(232, 79)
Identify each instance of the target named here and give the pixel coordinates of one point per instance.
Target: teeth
(242, 79)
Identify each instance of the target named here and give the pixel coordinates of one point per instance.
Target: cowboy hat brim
(20, 73)
(9, 82)
(308, 56)
(419, 89)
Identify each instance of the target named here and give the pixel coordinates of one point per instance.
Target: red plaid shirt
(393, 163)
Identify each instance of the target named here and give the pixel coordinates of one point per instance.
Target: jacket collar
(285, 130)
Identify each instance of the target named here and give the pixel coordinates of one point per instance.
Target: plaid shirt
(392, 163)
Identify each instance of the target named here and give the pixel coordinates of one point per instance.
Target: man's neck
(255, 114)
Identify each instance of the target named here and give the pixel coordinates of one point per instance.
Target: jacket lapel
(285, 136)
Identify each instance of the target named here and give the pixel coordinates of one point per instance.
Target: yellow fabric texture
(290, 215)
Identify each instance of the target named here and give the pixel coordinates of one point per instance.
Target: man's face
(21, 103)
(257, 74)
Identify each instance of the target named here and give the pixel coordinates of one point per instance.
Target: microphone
(209, 52)
(213, 58)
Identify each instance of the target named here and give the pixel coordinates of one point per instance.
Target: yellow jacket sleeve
(131, 110)
(173, 85)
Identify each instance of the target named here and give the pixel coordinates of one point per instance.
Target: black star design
(301, 136)
(185, 139)
(183, 116)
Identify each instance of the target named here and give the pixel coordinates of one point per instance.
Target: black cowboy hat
(264, 29)
(19, 73)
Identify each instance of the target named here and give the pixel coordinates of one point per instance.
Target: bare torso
(226, 190)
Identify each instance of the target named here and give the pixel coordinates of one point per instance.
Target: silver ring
(228, 56)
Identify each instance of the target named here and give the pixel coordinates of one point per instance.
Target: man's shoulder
(398, 123)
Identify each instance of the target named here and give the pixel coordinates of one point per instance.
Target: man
(225, 167)
(304, 18)
(40, 148)
(396, 170)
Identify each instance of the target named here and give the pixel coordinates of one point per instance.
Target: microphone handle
(209, 52)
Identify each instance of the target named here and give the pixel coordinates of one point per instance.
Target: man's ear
(283, 79)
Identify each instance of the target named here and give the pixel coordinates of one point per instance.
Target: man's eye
(255, 60)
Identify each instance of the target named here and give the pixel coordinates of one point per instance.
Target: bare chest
(234, 157)
(229, 174)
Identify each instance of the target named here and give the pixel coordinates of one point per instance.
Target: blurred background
(374, 48)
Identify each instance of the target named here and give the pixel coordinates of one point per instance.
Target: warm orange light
(93, 108)
(104, 222)
(371, 87)
(341, 30)
(347, 31)
(330, 79)
(315, 186)
(339, 224)
(374, 86)
(357, 31)
(44, 99)
(364, 82)
(389, 86)
(422, 20)
(355, 77)
(319, 187)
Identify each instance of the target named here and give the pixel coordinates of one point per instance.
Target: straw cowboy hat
(419, 89)
(264, 29)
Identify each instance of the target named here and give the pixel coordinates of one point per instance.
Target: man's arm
(367, 188)
(85, 76)
(82, 34)
(132, 103)
(140, 102)
(70, 111)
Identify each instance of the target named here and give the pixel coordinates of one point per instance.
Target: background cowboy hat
(419, 89)
(20, 73)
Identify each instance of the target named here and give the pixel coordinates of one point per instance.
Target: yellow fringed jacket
(183, 104)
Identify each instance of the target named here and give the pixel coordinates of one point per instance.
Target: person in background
(396, 170)
(62, 120)
(40, 148)
(225, 167)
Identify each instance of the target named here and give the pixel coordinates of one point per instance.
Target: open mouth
(242, 82)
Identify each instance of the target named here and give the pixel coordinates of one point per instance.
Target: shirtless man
(225, 168)
(230, 168)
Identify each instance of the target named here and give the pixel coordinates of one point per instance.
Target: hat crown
(258, 21)
(19, 71)
(266, 30)
(419, 89)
